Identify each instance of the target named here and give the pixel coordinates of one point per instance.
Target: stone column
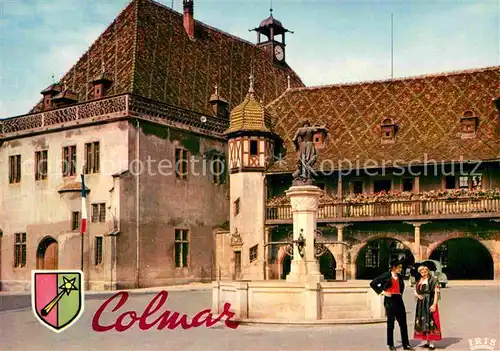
(417, 185)
(339, 188)
(304, 201)
(341, 268)
(417, 248)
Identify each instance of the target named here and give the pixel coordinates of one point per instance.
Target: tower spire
(251, 91)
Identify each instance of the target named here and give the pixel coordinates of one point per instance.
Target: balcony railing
(434, 208)
(119, 106)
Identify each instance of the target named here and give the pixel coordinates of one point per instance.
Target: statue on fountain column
(307, 153)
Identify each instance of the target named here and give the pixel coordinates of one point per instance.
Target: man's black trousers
(395, 310)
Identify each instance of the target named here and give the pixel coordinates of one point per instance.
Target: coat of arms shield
(57, 297)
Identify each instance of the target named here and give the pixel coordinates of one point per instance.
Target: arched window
(372, 255)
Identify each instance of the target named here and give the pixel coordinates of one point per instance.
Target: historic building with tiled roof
(408, 167)
(184, 134)
(143, 114)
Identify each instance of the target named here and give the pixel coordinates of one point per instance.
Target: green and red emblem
(57, 298)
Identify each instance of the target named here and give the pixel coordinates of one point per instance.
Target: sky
(333, 41)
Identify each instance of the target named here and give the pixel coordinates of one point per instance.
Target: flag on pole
(83, 226)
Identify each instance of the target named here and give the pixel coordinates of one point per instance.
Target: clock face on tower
(278, 53)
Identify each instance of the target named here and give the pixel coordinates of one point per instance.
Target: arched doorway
(375, 257)
(464, 258)
(327, 265)
(47, 254)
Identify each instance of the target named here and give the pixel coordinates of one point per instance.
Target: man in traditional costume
(391, 285)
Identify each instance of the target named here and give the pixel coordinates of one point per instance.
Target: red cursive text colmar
(167, 319)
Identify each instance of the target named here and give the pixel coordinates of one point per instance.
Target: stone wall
(167, 203)
(35, 207)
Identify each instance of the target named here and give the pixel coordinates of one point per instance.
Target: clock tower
(272, 28)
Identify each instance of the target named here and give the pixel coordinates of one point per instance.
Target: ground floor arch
(327, 265)
(374, 257)
(47, 254)
(464, 258)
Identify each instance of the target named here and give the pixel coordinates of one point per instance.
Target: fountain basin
(281, 302)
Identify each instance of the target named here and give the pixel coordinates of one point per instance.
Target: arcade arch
(375, 255)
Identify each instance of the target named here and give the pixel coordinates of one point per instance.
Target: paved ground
(20, 300)
(466, 313)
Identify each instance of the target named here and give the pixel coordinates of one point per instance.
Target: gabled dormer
(220, 106)
(48, 94)
(100, 84)
(469, 123)
(319, 138)
(388, 130)
(64, 98)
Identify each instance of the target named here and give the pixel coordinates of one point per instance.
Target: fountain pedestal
(305, 297)
(304, 202)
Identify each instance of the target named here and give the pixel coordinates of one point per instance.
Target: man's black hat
(396, 262)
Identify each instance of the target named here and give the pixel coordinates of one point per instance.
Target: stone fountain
(304, 297)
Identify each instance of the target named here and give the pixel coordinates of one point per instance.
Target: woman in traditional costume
(427, 324)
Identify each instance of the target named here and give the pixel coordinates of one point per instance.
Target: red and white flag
(83, 226)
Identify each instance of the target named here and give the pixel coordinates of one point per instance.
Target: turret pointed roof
(250, 115)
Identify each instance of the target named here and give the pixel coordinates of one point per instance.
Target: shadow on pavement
(447, 342)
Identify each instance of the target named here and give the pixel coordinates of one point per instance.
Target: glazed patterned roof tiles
(250, 115)
(427, 109)
(146, 51)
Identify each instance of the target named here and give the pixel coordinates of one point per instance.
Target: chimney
(189, 17)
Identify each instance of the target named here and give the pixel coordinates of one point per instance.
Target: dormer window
(319, 139)
(468, 125)
(64, 98)
(48, 94)
(101, 83)
(388, 130)
(496, 102)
